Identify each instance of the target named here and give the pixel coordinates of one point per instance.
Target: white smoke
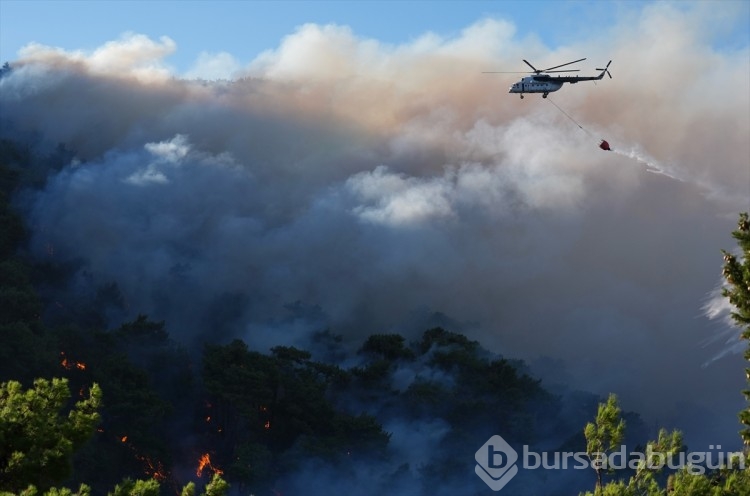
(383, 182)
(132, 55)
(718, 308)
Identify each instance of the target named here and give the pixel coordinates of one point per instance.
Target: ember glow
(205, 462)
(71, 364)
(152, 468)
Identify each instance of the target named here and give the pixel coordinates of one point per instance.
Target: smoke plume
(378, 184)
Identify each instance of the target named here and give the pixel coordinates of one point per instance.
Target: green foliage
(604, 435)
(733, 481)
(36, 440)
(737, 291)
(126, 363)
(188, 490)
(129, 487)
(83, 490)
(667, 445)
(263, 407)
(725, 482)
(217, 487)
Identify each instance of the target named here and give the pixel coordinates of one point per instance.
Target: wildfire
(151, 468)
(205, 462)
(155, 470)
(71, 364)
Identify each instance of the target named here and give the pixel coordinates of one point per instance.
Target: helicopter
(542, 82)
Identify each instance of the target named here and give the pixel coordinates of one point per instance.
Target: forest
(128, 409)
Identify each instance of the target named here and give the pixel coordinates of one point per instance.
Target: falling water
(652, 165)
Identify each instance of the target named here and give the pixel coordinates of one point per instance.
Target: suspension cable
(569, 117)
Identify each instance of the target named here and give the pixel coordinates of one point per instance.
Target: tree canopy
(37, 439)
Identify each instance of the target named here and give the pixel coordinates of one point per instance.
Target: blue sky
(246, 28)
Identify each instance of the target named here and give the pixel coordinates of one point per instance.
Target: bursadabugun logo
(496, 462)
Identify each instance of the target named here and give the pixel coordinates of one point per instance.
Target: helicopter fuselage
(536, 84)
(546, 84)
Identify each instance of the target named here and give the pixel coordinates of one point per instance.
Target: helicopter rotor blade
(561, 65)
(566, 70)
(532, 67)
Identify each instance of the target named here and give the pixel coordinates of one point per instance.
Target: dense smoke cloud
(378, 184)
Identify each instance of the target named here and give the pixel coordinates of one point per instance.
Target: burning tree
(69, 364)
(205, 462)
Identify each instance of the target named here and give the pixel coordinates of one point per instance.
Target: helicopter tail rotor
(606, 69)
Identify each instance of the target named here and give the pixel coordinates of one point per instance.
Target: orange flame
(155, 470)
(203, 462)
(151, 468)
(71, 364)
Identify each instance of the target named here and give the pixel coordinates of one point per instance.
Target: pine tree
(604, 435)
(737, 274)
(36, 440)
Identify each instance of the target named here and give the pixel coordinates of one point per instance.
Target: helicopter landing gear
(521, 96)
(545, 95)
